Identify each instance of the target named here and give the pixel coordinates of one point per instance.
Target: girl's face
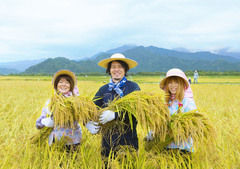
(63, 86)
(173, 86)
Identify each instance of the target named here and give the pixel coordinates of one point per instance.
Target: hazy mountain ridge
(6, 71)
(150, 59)
(20, 66)
(227, 52)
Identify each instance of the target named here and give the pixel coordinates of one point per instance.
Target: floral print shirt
(188, 104)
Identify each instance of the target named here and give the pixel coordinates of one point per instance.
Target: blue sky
(31, 29)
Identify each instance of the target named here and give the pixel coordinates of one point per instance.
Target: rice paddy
(22, 99)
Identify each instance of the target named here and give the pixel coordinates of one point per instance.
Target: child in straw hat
(64, 83)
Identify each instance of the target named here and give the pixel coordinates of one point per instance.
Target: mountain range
(18, 66)
(150, 59)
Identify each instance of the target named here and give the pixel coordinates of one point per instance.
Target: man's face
(117, 71)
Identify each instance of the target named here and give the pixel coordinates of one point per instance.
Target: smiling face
(117, 71)
(173, 86)
(63, 86)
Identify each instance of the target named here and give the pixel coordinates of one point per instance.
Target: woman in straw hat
(117, 66)
(179, 98)
(64, 83)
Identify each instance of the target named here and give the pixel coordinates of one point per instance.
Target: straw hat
(174, 72)
(131, 63)
(65, 72)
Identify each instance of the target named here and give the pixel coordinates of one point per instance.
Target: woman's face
(173, 86)
(63, 86)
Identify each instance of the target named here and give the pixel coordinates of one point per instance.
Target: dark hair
(68, 78)
(124, 65)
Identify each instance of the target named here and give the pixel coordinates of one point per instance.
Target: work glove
(48, 122)
(107, 116)
(92, 127)
(149, 136)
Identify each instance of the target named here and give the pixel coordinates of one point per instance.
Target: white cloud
(32, 29)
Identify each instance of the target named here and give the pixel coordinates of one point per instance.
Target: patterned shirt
(188, 105)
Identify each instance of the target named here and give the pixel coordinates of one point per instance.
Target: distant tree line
(188, 73)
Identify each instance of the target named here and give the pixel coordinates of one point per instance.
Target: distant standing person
(195, 77)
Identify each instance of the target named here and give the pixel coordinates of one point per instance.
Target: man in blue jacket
(117, 66)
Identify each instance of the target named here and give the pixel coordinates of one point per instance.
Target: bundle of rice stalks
(148, 108)
(157, 144)
(183, 126)
(41, 136)
(191, 124)
(68, 110)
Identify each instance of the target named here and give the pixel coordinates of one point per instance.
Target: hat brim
(163, 82)
(65, 72)
(131, 63)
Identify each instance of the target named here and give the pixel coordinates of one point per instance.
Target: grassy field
(22, 98)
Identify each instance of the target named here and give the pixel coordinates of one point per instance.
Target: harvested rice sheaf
(194, 124)
(67, 110)
(183, 126)
(157, 144)
(148, 108)
(41, 136)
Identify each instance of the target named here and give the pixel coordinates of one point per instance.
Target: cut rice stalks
(41, 136)
(194, 124)
(148, 108)
(157, 145)
(67, 111)
(183, 126)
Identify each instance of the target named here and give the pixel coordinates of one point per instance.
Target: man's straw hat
(131, 63)
(65, 72)
(174, 72)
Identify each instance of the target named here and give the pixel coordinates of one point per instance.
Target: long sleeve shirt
(195, 75)
(102, 98)
(188, 105)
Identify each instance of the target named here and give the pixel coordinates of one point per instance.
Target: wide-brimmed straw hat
(174, 72)
(65, 72)
(131, 63)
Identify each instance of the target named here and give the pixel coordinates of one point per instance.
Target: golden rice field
(22, 98)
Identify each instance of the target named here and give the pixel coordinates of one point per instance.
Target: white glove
(93, 127)
(150, 136)
(107, 116)
(48, 122)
